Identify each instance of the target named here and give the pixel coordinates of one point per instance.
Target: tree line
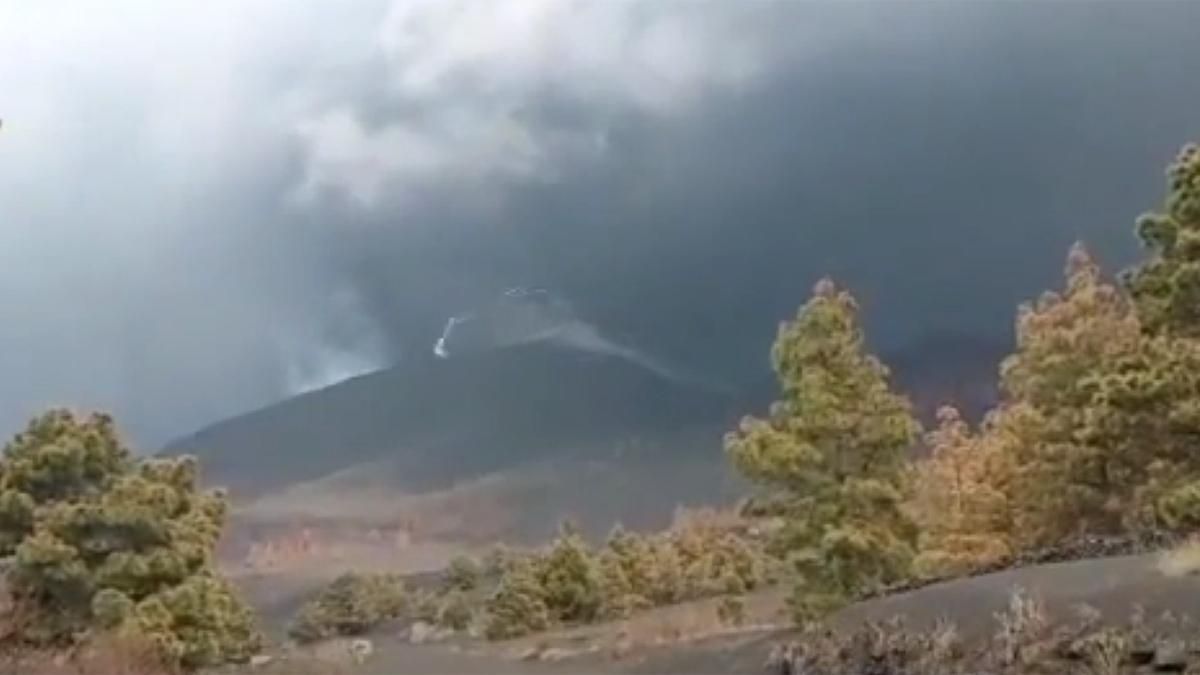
(1097, 431)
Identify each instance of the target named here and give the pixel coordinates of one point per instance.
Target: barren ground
(687, 638)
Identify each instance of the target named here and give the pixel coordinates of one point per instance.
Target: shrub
(569, 579)
(462, 574)
(700, 556)
(101, 541)
(455, 611)
(424, 605)
(352, 604)
(665, 583)
(618, 598)
(517, 607)
(1178, 508)
(633, 555)
(498, 561)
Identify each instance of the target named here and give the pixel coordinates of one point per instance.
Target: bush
(352, 604)
(700, 557)
(424, 605)
(618, 599)
(1178, 509)
(498, 561)
(462, 574)
(631, 555)
(517, 607)
(716, 561)
(569, 579)
(455, 611)
(103, 542)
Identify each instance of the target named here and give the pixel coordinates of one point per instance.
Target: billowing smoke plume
(205, 207)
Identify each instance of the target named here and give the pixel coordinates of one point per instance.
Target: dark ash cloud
(204, 210)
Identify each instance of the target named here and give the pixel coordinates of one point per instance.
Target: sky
(207, 207)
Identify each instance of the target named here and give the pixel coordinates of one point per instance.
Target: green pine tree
(103, 541)
(462, 574)
(633, 553)
(352, 604)
(618, 600)
(836, 445)
(517, 607)
(456, 611)
(1141, 430)
(1166, 287)
(569, 578)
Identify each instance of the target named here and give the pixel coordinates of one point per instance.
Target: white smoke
(324, 367)
(521, 316)
(340, 344)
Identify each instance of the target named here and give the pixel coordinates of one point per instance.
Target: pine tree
(352, 604)
(634, 555)
(1065, 337)
(517, 607)
(959, 503)
(665, 582)
(569, 578)
(1007, 438)
(462, 574)
(836, 445)
(1066, 343)
(101, 540)
(618, 599)
(1100, 416)
(1166, 288)
(1142, 425)
(1146, 405)
(455, 611)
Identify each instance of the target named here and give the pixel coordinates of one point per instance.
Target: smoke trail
(524, 316)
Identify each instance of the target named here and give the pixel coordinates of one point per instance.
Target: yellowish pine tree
(1065, 337)
(959, 500)
(1007, 438)
(1066, 342)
